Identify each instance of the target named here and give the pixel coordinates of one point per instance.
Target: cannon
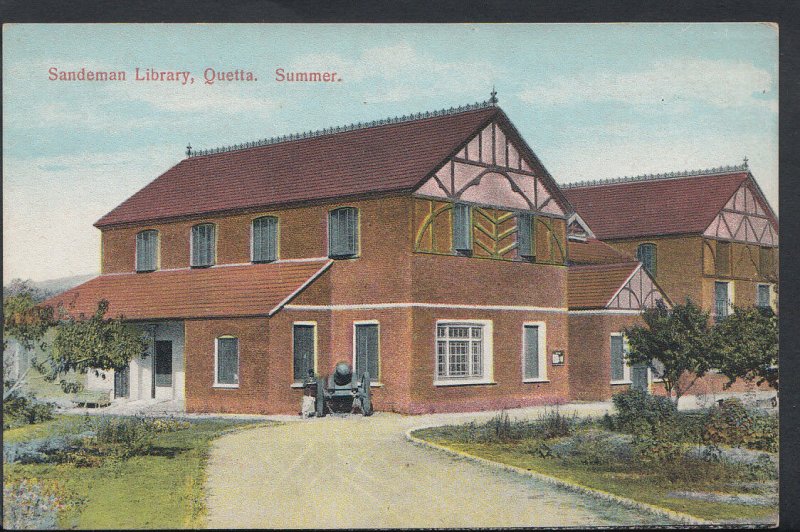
(341, 392)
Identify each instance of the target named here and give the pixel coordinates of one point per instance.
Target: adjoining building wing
(594, 251)
(229, 291)
(622, 286)
(669, 204)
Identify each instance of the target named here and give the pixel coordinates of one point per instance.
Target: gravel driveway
(355, 472)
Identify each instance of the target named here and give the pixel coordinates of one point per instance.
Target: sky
(592, 101)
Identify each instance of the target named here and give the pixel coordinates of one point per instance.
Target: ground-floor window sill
(528, 381)
(226, 386)
(620, 383)
(464, 383)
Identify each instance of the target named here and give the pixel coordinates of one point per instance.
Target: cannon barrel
(343, 374)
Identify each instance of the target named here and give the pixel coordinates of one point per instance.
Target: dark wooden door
(162, 376)
(122, 382)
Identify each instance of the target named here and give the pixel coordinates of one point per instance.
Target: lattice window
(460, 350)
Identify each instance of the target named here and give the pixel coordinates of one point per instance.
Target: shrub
(19, 409)
(28, 504)
(161, 425)
(555, 425)
(638, 411)
(731, 423)
(123, 436)
(42, 450)
(594, 448)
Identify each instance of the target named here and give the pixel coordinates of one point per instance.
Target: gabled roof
(391, 156)
(593, 286)
(224, 291)
(657, 205)
(593, 251)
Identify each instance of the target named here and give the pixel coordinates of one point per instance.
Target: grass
(624, 480)
(162, 490)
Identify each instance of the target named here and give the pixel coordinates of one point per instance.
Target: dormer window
(343, 233)
(147, 251)
(265, 239)
(203, 245)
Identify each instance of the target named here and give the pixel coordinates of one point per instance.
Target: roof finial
(745, 161)
(189, 150)
(493, 99)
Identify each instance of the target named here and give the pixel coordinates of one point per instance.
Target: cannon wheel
(321, 391)
(366, 395)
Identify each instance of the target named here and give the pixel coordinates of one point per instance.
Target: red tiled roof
(654, 207)
(594, 251)
(227, 291)
(383, 158)
(592, 287)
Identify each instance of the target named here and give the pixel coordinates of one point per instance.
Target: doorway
(162, 362)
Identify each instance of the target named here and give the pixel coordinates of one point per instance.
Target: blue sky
(592, 100)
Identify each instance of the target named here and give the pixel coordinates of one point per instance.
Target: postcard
(457, 275)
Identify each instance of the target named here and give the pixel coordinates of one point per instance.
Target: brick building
(434, 250)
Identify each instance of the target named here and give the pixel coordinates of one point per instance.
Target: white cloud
(404, 73)
(50, 204)
(723, 84)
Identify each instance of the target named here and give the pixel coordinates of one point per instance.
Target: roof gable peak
(486, 104)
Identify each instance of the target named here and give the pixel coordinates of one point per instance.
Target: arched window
(343, 232)
(203, 245)
(646, 254)
(265, 239)
(147, 251)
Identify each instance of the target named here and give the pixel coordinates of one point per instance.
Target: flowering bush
(31, 504)
(731, 423)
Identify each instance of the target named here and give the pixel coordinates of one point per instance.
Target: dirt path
(361, 472)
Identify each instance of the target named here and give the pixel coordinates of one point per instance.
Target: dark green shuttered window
(646, 254)
(303, 345)
(532, 352)
(617, 359)
(203, 245)
(228, 361)
(343, 232)
(462, 227)
(525, 235)
(265, 239)
(366, 341)
(147, 251)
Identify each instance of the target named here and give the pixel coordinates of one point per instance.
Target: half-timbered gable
(746, 217)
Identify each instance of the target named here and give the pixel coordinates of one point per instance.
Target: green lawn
(650, 489)
(161, 490)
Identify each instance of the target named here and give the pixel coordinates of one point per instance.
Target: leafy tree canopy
(23, 320)
(745, 345)
(94, 343)
(678, 338)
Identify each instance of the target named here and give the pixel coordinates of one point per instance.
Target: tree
(745, 345)
(25, 321)
(95, 343)
(678, 338)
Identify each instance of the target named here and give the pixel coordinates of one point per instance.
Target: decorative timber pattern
(490, 170)
(494, 233)
(738, 260)
(743, 219)
(638, 293)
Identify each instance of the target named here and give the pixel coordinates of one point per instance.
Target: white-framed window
(463, 352)
(620, 371)
(304, 349)
(723, 299)
(203, 244)
(147, 250)
(367, 350)
(264, 239)
(534, 351)
(764, 295)
(226, 362)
